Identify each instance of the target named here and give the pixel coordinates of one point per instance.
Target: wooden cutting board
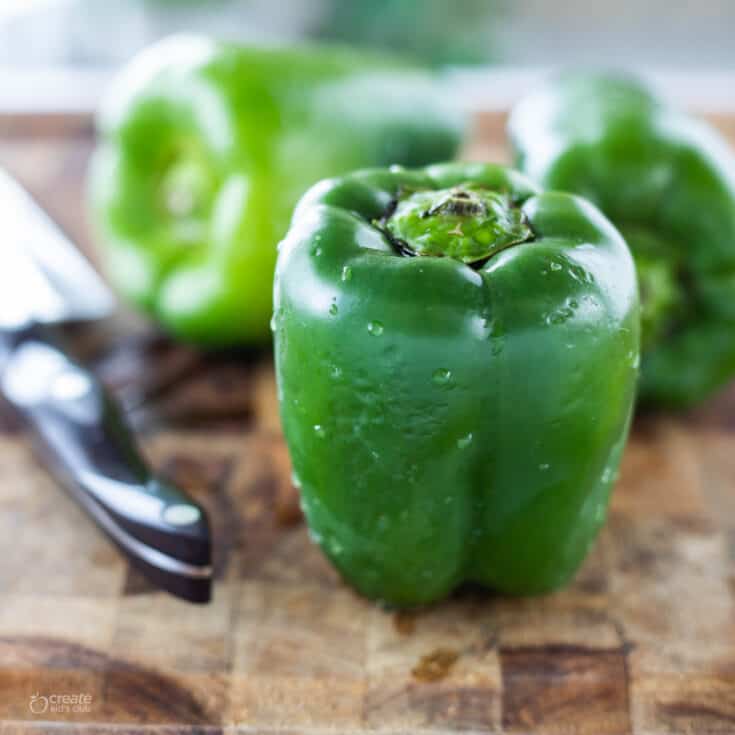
(643, 641)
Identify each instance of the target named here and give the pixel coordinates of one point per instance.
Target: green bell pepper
(667, 181)
(456, 357)
(205, 149)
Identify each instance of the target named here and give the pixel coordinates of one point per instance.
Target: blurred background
(57, 54)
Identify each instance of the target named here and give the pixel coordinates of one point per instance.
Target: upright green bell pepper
(205, 149)
(667, 181)
(456, 356)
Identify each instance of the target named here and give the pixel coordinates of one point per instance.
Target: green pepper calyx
(662, 281)
(186, 190)
(467, 222)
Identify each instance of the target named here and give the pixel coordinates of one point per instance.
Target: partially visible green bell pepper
(456, 356)
(205, 149)
(667, 181)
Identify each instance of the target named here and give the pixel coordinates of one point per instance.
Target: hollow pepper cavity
(205, 148)
(456, 357)
(667, 181)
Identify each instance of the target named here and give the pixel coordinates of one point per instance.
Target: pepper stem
(186, 189)
(660, 279)
(467, 222)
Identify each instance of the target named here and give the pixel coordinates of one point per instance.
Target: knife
(79, 429)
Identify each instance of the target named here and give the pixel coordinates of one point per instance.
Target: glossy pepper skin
(206, 147)
(455, 402)
(667, 181)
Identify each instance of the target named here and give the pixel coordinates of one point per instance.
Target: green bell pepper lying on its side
(456, 356)
(205, 149)
(667, 181)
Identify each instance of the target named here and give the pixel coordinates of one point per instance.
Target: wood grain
(643, 640)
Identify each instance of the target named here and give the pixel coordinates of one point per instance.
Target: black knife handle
(84, 439)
